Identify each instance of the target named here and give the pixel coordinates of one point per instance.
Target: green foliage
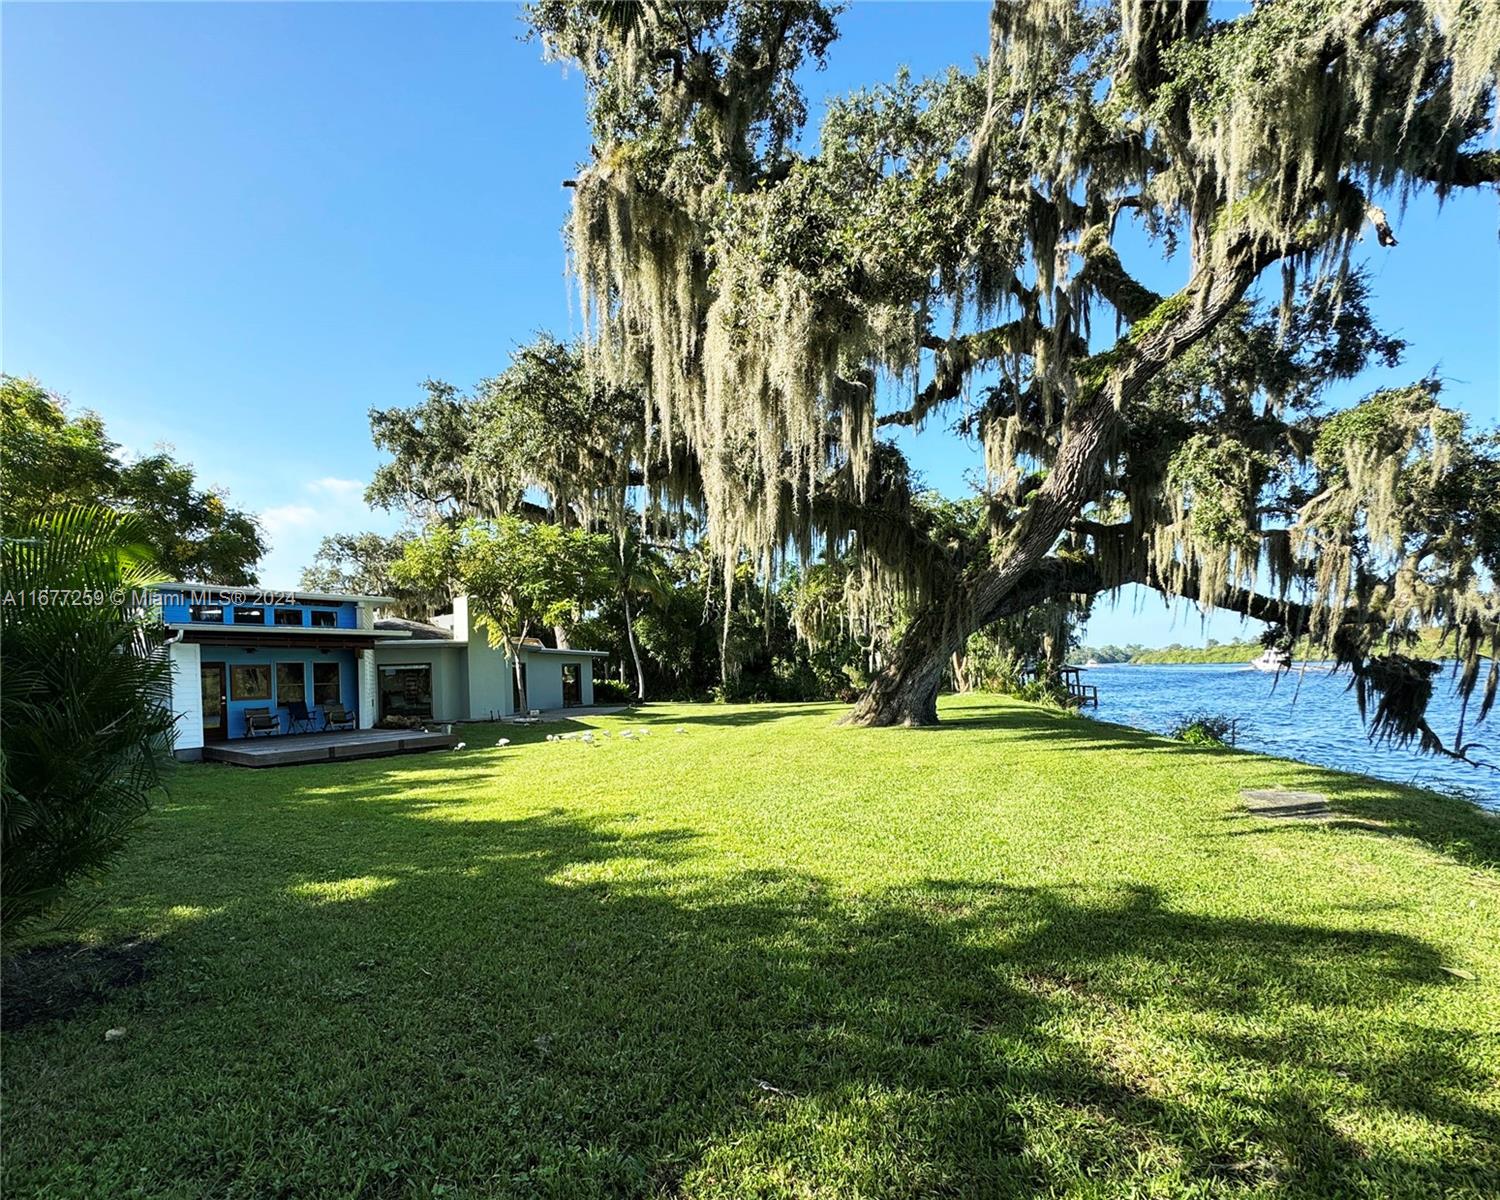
(542, 425)
(52, 460)
(1218, 480)
(1224, 652)
(1108, 653)
(612, 691)
(84, 712)
(1427, 643)
(1399, 423)
(364, 564)
(1205, 729)
(693, 647)
(778, 307)
(520, 576)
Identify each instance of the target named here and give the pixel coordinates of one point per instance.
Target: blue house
(238, 649)
(235, 649)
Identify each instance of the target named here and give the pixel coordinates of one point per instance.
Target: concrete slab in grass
(1285, 805)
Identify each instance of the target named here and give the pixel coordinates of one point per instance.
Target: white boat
(1273, 660)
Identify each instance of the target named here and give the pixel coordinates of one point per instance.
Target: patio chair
(336, 716)
(299, 718)
(261, 722)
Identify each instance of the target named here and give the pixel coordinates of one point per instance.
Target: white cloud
(287, 516)
(346, 488)
(324, 506)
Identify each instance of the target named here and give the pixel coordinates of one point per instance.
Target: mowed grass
(1018, 954)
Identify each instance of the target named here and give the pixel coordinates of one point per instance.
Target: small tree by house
(520, 576)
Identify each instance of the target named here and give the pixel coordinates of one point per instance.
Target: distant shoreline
(1228, 654)
(1297, 663)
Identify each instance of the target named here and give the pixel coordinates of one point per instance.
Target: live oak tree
(955, 250)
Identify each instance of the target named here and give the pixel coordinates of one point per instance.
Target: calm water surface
(1310, 716)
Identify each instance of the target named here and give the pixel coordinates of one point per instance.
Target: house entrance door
(215, 703)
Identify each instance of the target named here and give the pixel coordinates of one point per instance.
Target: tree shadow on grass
(735, 716)
(565, 1007)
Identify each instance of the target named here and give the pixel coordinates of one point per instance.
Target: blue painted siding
(265, 656)
(177, 606)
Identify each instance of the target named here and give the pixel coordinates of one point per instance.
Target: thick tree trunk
(905, 692)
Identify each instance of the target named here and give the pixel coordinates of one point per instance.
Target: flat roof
(292, 631)
(259, 593)
(575, 653)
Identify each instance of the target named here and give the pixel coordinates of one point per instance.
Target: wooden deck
(1071, 678)
(292, 748)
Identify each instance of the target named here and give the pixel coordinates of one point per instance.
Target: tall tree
(639, 573)
(539, 440)
(52, 460)
(543, 440)
(968, 227)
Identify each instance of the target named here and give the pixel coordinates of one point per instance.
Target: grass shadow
(551, 1005)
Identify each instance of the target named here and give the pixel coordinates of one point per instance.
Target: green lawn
(1020, 953)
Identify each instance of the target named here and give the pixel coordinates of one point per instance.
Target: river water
(1307, 715)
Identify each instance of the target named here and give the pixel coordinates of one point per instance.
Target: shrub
(1043, 691)
(84, 718)
(612, 691)
(1206, 729)
(399, 722)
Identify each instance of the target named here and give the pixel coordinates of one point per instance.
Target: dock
(1071, 678)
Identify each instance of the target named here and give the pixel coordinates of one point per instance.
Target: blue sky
(235, 228)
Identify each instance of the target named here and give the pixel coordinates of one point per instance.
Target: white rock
(114, 1035)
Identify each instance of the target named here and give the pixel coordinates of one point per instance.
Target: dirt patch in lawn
(47, 982)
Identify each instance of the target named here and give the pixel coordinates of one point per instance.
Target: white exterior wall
(368, 700)
(187, 699)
